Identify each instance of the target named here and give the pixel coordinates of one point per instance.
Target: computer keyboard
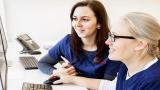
(32, 86)
(29, 62)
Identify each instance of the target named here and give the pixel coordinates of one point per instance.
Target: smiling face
(121, 48)
(84, 22)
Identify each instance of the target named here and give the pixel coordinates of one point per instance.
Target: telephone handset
(29, 46)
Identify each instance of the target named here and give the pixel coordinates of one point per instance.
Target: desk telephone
(29, 46)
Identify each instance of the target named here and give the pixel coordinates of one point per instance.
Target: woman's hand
(66, 69)
(64, 79)
(69, 69)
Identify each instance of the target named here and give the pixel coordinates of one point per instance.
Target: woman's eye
(86, 20)
(74, 19)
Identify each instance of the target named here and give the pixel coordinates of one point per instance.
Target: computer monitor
(3, 35)
(3, 61)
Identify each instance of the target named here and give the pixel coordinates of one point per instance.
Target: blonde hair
(145, 27)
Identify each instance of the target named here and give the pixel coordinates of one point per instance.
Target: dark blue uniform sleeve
(46, 63)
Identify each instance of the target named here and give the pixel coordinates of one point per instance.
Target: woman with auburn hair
(84, 48)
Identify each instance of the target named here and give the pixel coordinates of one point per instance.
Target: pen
(65, 61)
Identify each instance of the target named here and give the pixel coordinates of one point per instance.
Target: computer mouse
(50, 81)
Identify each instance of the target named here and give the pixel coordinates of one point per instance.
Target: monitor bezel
(4, 84)
(4, 39)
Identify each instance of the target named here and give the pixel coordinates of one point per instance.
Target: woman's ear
(141, 45)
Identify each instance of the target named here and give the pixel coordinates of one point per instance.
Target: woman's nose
(78, 23)
(108, 42)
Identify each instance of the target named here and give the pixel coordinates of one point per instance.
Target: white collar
(145, 67)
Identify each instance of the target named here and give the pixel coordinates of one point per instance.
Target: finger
(57, 81)
(51, 76)
(74, 74)
(70, 70)
(66, 65)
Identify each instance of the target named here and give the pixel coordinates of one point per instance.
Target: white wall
(117, 8)
(43, 20)
(48, 20)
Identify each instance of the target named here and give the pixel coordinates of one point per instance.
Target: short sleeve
(61, 47)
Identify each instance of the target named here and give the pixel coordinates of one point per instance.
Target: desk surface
(17, 74)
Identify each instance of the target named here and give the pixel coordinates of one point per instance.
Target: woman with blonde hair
(135, 41)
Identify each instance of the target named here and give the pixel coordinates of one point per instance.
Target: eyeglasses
(112, 37)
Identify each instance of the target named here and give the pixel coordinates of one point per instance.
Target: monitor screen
(3, 62)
